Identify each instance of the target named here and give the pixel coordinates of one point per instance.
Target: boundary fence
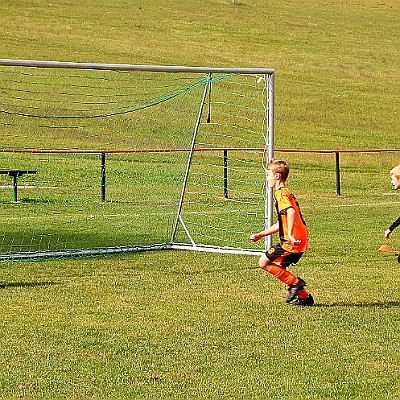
(225, 151)
(337, 158)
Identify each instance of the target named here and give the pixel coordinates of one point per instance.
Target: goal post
(133, 158)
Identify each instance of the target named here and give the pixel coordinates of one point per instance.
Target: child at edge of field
(293, 234)
(395, 181)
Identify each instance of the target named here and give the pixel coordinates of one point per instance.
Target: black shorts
(282, 257)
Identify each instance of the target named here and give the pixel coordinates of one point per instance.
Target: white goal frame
(268, 79)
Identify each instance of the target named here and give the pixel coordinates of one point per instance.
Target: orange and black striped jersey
(285, 199)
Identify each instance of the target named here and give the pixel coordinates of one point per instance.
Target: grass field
(176, 324)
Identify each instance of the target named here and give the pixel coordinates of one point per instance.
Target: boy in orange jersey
(395, 180)
(293, 236)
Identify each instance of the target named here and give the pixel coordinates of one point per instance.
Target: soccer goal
(106, 158)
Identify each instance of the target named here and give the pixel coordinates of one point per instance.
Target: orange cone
(385, 247)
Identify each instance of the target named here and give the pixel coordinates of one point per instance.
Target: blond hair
(280, 167)
(395, 171)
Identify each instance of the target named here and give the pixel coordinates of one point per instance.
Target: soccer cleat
(308, 301)
(295, 289)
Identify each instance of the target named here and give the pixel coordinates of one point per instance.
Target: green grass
(193, 325)
(178, 324)
(336, 62)
(174, 325)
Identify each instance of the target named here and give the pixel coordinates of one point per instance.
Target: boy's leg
(295, 284)
(278, 271)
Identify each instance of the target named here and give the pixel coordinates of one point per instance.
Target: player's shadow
(375, 304)
(4, 285)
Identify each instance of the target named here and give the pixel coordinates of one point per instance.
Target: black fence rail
(224, 151)
(337, 154)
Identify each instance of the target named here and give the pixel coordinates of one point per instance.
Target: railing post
(337, 157)
(225, 173)
(15, 188)
(103, 176)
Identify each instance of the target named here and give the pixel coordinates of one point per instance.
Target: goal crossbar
(130, 67)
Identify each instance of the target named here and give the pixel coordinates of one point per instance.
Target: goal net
(100, 158)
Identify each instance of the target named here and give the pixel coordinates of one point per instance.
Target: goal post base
(215, 249)
(43, 254)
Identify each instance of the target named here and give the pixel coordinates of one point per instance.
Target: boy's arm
(291, 216)
(392, 227)
(269, 231)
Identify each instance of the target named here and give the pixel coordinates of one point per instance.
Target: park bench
(16, 173)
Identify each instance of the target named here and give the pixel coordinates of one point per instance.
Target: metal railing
(224, 151)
